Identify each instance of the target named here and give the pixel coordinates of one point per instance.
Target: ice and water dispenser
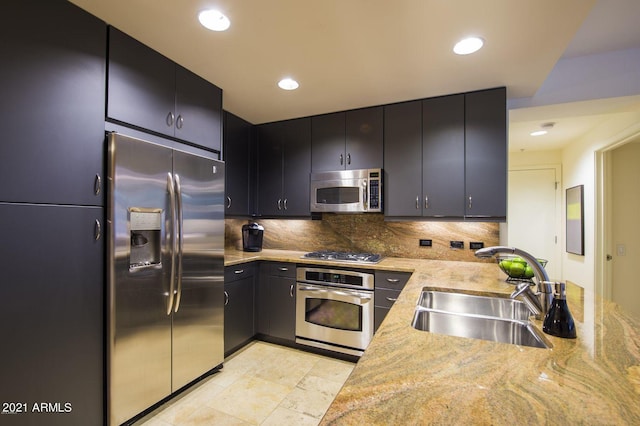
(145, 227)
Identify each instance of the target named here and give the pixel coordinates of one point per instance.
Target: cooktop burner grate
(344, 256)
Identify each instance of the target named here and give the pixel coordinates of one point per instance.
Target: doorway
(621, 230)
(534, 214)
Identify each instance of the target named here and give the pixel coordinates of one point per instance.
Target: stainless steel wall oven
(334, 309)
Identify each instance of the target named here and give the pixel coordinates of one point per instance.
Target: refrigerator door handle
(180, 242)
(172, 230)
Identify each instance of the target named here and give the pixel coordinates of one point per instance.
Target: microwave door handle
(365, 195)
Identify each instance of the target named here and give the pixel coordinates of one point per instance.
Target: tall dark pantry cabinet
(52, 81)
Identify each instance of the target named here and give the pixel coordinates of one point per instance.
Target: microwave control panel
(374, 190)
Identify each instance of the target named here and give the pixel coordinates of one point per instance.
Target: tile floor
(262, 384)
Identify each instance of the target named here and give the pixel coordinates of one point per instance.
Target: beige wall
(625, 203)
(369, 233)
(534, 158)
(579, 168)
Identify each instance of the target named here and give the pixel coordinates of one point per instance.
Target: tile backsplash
(369, 233)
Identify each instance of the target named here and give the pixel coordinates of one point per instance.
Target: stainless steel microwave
(347, 191)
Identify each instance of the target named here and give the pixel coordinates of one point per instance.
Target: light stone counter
(411, 377)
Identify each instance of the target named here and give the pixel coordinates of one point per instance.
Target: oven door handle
(361, 296)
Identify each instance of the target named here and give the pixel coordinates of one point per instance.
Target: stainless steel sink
(498, 307)
(478, 317)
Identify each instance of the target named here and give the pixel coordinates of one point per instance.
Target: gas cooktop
(341, 256)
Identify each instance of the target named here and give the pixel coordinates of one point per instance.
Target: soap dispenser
(558, 321)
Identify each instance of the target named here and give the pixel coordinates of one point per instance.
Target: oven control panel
(336, 277)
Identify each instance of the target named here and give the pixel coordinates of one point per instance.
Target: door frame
(603, 206)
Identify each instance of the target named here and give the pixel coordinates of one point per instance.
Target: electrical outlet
(456, 244)
(476, 245)
(426, 243)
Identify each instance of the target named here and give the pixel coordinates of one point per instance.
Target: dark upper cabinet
(327, 142)
(198, 110)
(446, 157)
(237, 143)
(53, 318)
(443, 156)
(147, 90)
(403, 159)
(284, 164)
(486, 154)
(364, 138)
(52, 81)
(347, 140)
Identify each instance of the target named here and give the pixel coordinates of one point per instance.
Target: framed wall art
(575, 220)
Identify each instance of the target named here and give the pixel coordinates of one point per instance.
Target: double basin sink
(479, 317)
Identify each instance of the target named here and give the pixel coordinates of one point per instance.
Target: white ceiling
(353, 53)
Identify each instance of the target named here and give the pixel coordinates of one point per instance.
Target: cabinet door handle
(349, 158)
(391, 299)
(279, 204)
(97, 184)
(170, 118)
(341, 159)
(470, 201)
(393, 280)
(179, 121)
(285, 203)
(291, 290)
(228, 202)
(417, 202)
(426, 202)
(226, 298)
(97, 229)
(239, 271)
(283, 269)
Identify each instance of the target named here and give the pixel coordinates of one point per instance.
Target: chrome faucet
(538, 302)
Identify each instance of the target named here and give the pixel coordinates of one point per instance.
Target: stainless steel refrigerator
(165, 220)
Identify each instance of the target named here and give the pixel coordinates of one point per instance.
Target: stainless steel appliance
(341, 256)
(347, 191)
(334, 309)
(165, 226)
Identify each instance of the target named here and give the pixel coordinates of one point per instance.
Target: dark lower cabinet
(276, 313)
(389, 284)
(52, 315)
(239, 287)
(52, 81)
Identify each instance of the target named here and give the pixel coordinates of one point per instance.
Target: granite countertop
(408, 376)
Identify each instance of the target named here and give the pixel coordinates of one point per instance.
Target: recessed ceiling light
(468, 45)
(544, 129)
(214, 20)
(288, 84)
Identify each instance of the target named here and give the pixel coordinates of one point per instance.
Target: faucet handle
(520, 288)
